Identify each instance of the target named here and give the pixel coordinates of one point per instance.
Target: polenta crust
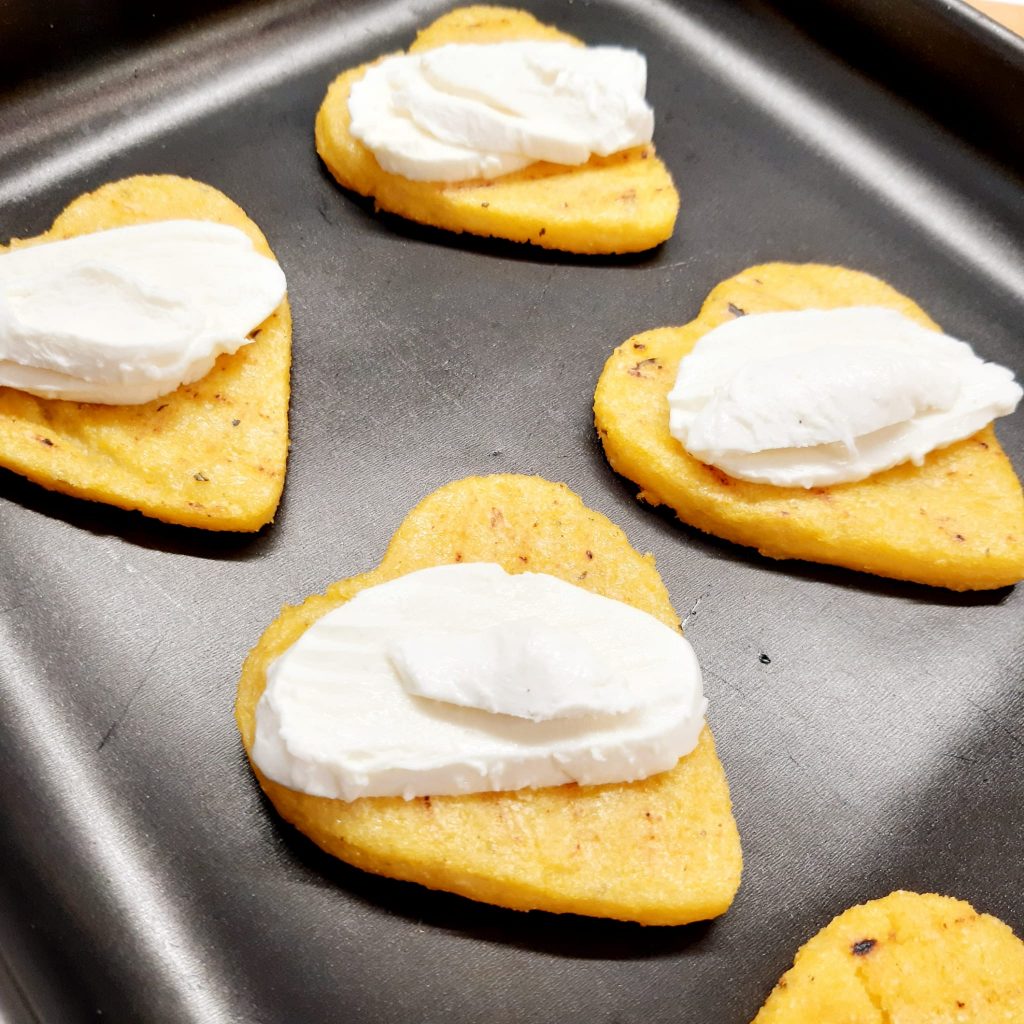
(906, 958)
(957, 521)
(622, 203)
(211, 454)
(664, 850)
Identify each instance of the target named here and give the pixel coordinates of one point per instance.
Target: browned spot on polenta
(643, 368)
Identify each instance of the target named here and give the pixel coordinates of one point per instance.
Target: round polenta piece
(625, 202)
(904, 959)
(210, 454)
(663, 850)
(956, 521)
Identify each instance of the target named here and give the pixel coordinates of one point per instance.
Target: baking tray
(871, 731)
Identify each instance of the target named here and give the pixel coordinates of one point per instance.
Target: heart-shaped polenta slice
(904, 959)
(625, 202)
(660, 851)
(957, 521)
(210, 454)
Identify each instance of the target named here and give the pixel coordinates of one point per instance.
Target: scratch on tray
(163, 593)
(1009, 732)
(728, 684)
(451, 398)
(539, 308)
(129, 568)
(536, 307)
(997, 722)
(693, 608)
(123, 713)
(961, 757)
(668, 266)
(325, 213)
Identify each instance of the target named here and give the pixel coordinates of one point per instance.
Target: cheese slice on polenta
(621, 203)
(210, 454)
(663, 850)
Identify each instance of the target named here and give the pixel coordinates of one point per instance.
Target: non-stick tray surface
(872, 731)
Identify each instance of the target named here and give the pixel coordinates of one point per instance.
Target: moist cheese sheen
(464, 678)
(467, 111)
(120, 317)
(818, 397)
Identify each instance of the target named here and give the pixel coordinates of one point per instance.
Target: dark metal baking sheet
(142, 876)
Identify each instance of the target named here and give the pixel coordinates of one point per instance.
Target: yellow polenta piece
(660, 851)
(211, 454)
(957, 521)
(904, 959)
(625, 202)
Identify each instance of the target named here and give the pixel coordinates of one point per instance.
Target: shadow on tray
(557, 935)
(498, 248)
(135, 528)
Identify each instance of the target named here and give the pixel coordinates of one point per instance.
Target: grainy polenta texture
(664, 850)
(625, 202)
(957, 521)
(904, 959)
(211, 454)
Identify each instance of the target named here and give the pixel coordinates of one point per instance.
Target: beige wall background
(1010, 15)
